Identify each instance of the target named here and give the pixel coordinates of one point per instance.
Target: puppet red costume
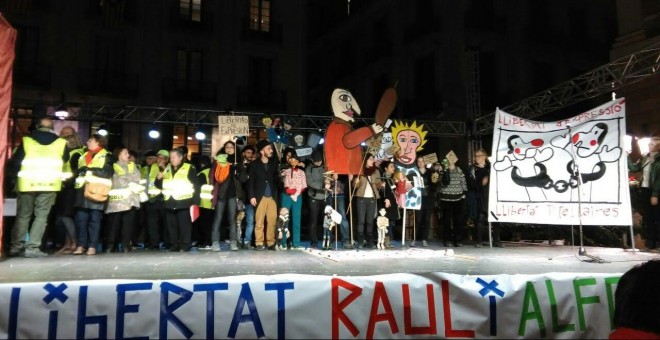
(344, 154)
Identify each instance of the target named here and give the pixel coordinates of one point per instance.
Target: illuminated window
(260, 15)
(190, 10)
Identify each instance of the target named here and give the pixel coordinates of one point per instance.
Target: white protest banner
(234, 125)
(534, 169)
(291, 306)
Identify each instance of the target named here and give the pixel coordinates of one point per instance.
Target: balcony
(258, 98)
(185, 90)
(273, 35)
(106, 83)
(181, 21)
(37, 76)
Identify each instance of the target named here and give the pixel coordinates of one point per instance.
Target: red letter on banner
(338, 307)
(432, 329)
(380, 295)
(449, 331)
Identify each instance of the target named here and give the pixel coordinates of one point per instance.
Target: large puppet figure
(411, 139)
(342, 142)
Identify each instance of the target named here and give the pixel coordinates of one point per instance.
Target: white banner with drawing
(553, 172)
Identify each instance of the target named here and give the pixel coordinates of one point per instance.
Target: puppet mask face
(382, 211)
(267, 121)
(344, 105)
(222, 159)
(299, 139)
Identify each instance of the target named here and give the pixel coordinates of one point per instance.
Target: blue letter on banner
(253, 316)
(209, 288)
(123, 308)
(281, 305)
(84, 320)
(167, 310)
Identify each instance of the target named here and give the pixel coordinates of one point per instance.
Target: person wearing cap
(154, 206)
(295, 182)
(316, 194)
(262, 186)
(243, 177)
(38, 162)
(180, 191)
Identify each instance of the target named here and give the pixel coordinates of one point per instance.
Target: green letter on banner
(556, 327)
(581, 301)
(530, 296)
(609, 282)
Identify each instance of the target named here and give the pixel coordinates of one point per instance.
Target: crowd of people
(86, 199)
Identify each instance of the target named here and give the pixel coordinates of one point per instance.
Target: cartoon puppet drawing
(344, 154)
(410, 138)
(591, 151)
(525, 158)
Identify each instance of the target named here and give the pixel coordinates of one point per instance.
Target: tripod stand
(578, 175)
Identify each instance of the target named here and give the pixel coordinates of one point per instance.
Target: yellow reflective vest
(67, 172)
(152, 190)
(206, 191)
(177, 185)
(41, 169)
(124, 194)
(97, 162)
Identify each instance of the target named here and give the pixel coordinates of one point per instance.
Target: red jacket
(343, 153)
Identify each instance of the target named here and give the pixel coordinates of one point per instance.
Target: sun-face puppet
(411, 139)
(343, 142)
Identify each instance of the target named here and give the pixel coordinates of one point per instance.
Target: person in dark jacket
(64, 210)
(202, 227)
(180, 191)
(477, 183)
(94, 166)
(387, 200)
(38, 164)
(316, 193)
(423, 217)
(262, 190)
(242, 167)
(226, 190)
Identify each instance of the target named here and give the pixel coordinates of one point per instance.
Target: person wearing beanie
(242, 167)
(293, 178)
(44, 146)
(155, 213)
(316, 195)
(263, 184)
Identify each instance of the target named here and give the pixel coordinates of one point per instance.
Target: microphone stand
(576, 173)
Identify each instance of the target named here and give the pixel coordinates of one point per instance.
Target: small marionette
(401, 187)
(240, 215)
(283, 234)
(276, 130)
(382, 222)
(332, 219)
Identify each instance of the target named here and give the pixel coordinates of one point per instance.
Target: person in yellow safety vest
(155, 215)
(64, 211)
(123, 200)
(180, 192)
(203, 223)
(38, 163)
(94, 166)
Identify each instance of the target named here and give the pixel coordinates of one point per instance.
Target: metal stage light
(102, 130)
(153, 133)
